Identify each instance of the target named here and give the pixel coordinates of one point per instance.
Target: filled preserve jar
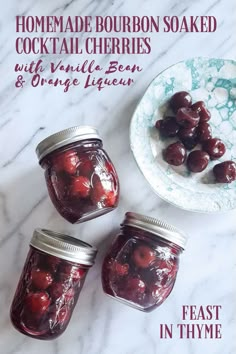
(81, 179)
(141, 266)
(50, 284)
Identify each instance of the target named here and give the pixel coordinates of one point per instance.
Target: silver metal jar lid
(63, 246)
(65, 137)
(156, 227)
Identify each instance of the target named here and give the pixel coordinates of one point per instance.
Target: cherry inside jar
(50, 284)
(81, 179)
(140, 269)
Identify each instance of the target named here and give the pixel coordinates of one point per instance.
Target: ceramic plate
(210, 80)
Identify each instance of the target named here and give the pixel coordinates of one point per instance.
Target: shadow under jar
(50, 284)
(141, 266)
(81, 179)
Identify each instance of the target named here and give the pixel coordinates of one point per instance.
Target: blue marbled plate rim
(219, 199)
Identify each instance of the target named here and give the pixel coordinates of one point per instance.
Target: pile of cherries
(80, 183)
(190, 125)
(48, 293)
(139, 273)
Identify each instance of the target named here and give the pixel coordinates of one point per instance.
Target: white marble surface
(207, 273)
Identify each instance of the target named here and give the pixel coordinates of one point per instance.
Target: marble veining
(99, 324)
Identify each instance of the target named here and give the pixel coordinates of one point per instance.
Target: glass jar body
(46, 295)
(140, 268)
(81, 180)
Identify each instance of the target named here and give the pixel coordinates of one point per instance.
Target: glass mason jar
(50, 284)
(81, 179)
(141, 266)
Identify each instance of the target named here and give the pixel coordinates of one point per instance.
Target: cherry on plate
(197, 161)
(204, 132)
(175, 154)
(185, 133)
(168, 127)
(179, 100)
(37, 302)
(41, 279)
(201, 109)
(225, 172)
(214, 147)
(143, 256)
(189, 137)
(190, 143)
(187, 118)
(158, 124)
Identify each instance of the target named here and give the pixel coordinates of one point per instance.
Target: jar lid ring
(65, 137)
(63, 246)
(156, 227)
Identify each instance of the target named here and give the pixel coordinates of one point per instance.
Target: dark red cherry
(158, 123)
(204, 132)
(185, 133)
(72, 271)
(100, 194)
(197, 160)
(80, 187)
(66, 161)
(187, 118)
(133, 288)
(120, 269)
(188, 136)
(136, 285)
(52, 263)
(175, 154)
(159, 273)
(59, 291)
(143, 256)
(201, 109)
(179, 100)
(168, 127)
(214, 147)
(85, 167)
(56, 290)
(41, 279)
(32, 320)
(37, 302)
(225, 172)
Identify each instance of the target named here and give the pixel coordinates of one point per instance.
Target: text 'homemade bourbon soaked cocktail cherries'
(50, 284)
(81, 179)
(141, 266)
